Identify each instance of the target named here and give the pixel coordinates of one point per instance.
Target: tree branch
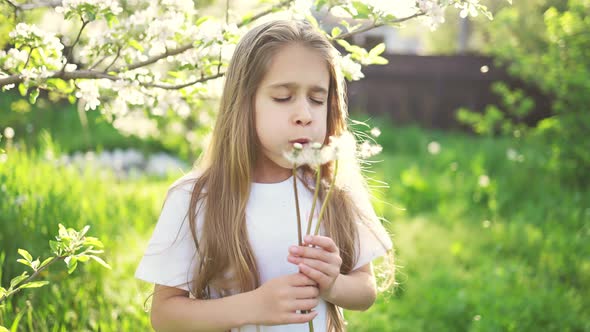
(376, 25)
(93, 74)
(183, 85)
(189, 46)
(34, 5)
(114, 60)
(32, 276)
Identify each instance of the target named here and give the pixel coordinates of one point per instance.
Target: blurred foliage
(479, 246)
(547, 44)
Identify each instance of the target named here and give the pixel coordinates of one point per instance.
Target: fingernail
(294, 250)
(307, 238)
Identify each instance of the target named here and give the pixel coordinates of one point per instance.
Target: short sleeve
(373, 239)
(170, 257)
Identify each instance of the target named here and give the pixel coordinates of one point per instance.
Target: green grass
(510, 256)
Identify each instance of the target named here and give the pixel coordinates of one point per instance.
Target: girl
(224, 253)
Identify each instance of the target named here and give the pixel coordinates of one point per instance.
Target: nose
(302, 116)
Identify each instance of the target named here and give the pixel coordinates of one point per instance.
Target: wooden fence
(428, 90)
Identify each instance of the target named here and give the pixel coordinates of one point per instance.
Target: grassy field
(484, 239)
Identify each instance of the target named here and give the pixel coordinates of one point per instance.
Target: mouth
(300, 141)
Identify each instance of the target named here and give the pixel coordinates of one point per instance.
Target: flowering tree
(138, 60)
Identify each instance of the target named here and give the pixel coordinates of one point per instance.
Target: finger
(324, 242)
(307, 292)
(305, 304)
(301, 279)
(325, 268)
(317, 253)
(314, 274)
(296, 318)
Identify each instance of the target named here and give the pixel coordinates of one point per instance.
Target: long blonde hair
(221, 191)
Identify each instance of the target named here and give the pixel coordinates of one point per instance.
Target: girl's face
(291, 104)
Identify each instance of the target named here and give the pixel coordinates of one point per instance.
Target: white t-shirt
(272, 228)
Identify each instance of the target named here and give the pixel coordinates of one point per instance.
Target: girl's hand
(276, 302)
(322, 264)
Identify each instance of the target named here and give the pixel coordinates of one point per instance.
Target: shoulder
(186, 182)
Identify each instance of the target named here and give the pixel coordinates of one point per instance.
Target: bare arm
(173, 310)
(354, 291)
(276, 302)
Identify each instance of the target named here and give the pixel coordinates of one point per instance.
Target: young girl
(224, 254)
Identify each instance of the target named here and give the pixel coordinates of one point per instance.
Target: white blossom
(33, 74)
(468, 8)
(100, 6)
(434, 148)
(88, 93)
(435, 13)
(350, 68)
(9, 132)
(301, 8)
(484, 181)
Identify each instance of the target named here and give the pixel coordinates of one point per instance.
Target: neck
(267, 171)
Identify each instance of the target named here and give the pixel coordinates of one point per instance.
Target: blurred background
(484, 127)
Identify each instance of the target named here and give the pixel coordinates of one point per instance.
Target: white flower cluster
(99, 7)
(88, 94)
(34, 37)
(40, 50)
(435, 13)
(300, 9)
(468, 8)
(349, 68)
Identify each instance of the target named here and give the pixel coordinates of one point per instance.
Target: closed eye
(319, 102)
(281, 100)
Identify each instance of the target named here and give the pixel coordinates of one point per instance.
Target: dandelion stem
(325, 203)
(315, 198)
(297, 205)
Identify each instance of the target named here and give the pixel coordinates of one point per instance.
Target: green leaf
(45, 262)
(2, 291)
(24, 262)
(336, 31)
(72, 263)
(319, 4)
(100, 261)
(22, 89)
(92, 241)
(82, 258)
(25, 254)
(377, 50)
(72, 99)
(136, 45)
(33, 95)
(378, 60)
(34, 284)
(203, 19)
(15, 281)
(362, 9)
(55, 247)
(246, 18)
(314, 22)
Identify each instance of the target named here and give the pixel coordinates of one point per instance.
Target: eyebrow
(290, 85)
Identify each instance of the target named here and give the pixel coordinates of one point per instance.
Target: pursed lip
(300, 140)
